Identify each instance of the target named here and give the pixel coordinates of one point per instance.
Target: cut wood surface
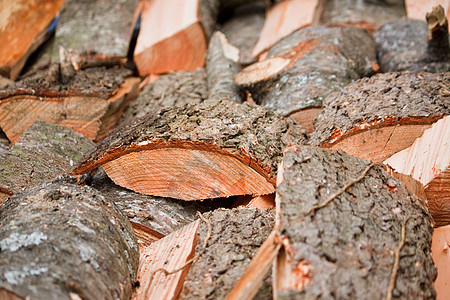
(236, 236)
(181, 40)
(44, 152)
(19, 41)
(64, 241)
(441, 257)
(286, 17)
(197, 151)
(342, 243)
(173, 89)
(260, 202)
(369, 15)
(91, 102)
(417, 9)
(428, 161)
(374, 118)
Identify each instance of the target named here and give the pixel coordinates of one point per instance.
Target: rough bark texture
(396, 96)
(366, 14)
(348, 246)
(44, 152)
(329, 59)
(244, 130)
(403, 46)
(63, 241)
(221, 69)
(244, 28)
(208, 11)
(173, 89)
(236, 236)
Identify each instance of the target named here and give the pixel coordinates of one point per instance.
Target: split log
(374, 118)
(198, 151)
(24, 26)
(91, 102)
(417, 9)
(243, 29)
(63, 241)
(181, 40)
(369, 14)
(173, 89)
(44, 152)
(339, 242)
(403, 45)
(286, 17)
(306, 66)
(221, 65)
(428, 161)
(260, 202)
(441, 257)
(236, 236)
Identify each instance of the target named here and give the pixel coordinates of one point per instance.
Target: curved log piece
(350, 230)
(197, 151)
(373, 118)
(64, 241)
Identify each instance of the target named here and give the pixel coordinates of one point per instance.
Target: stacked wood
(427, 161)
(349, 231)
(368, 14)
(40, 17)
(44, 152)
(63, 241)
(374, 118)
(303, 68)
(197, 151)
(441, 257)
(89, 101)
(417, 9)
(403, 45)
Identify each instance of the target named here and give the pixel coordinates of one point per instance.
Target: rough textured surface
(236, 236)
(173, 89)
(398, 95)
(245, 130)
(164, 215)
(402, 46)
(349, 244)
(44, 152)
(63, 241)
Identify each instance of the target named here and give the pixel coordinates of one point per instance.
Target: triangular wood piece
(197, 151)
(441, 256)
(260, 202)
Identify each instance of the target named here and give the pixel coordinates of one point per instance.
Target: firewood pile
(213, 149)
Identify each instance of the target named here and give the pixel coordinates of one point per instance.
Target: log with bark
(350, 230)
(374, 118)
(44, 152)
(417, 9)
(89, 101)
(18, 41)
(64, 241)
(306, 66)
(428, 161)
(197, 151)
(404, 46)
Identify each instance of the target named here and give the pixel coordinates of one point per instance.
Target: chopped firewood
(181, 40)
(221, 65)
(91, 102)
(404, 46)
(173, 252)
(63, 241)
(260, 202)
(417, 9)
(369, 15)
(306, 66)
(411, 184)
(244, 28)
(236, 236)
(428, 161)
(286, 17)
(24, 26)
(145, 236)
(350, 230)
(374, 118)
(441, 256)
(197, 151)
(173, 89)
(44, 152)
